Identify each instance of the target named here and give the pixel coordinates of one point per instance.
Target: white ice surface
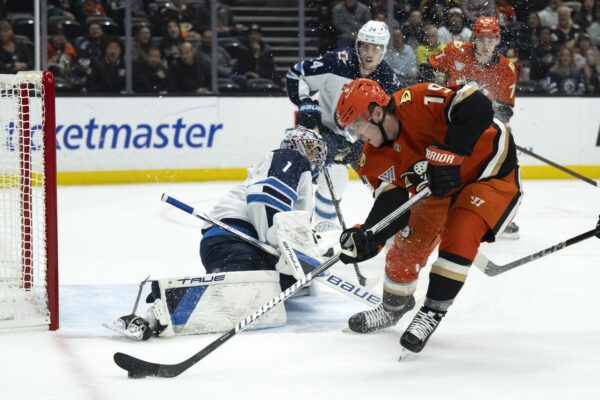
(533, 333)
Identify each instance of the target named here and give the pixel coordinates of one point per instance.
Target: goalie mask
(309, 143)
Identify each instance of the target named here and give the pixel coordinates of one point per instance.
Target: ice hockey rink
(531, 333)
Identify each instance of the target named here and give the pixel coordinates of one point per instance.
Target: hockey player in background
(480, 64)
(444, 137)
(240, 277)
(315, 86)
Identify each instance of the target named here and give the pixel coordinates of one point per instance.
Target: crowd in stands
(554, 44)
(171, 47)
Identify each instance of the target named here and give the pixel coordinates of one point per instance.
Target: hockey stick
(491, 269)
(335, 282)
(361, 278)
(137, 368)
(557, 166)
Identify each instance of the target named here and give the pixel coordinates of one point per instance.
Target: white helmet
(374, 32)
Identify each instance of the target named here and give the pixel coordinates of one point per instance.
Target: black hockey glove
(443, 170)
(358, 245)
(309, 114)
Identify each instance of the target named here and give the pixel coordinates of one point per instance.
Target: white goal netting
(23, 253)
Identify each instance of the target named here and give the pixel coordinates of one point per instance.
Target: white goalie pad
(214, 303)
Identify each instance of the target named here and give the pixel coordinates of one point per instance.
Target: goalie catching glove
(443, 170)
(359, 245)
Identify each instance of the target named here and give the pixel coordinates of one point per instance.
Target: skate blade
(116, 327)
(406, 355)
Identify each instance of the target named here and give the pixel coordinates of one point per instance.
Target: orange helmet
(486, 26)
(356, 98)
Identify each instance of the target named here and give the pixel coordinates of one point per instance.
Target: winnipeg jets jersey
(282, 181)
(326, 76)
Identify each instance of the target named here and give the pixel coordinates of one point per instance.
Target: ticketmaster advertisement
(133, 139)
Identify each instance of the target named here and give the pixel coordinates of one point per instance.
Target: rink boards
(144, 139)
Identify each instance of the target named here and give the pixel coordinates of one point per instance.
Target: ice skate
(420, 329)
(379, 317)
(511, 232)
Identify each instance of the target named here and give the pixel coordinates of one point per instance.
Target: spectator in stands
(566, 32)
(582, 44)
(141, 43)
(549, 15)
(533, 26)
(390, 22)
(586, 14)
(107, 75)
(258, 62)
(543, 57)
(473, 9)
(438, 16)
(204, 54)
(505, 13)
(430, 45)
(62, 56)
(189, 20)
(225, 20)
(93, 8)
(564, 76)
(188, 75)
(524, 37)
(149, 73)
(14, 56)
(169, 44)
(591, 70)
(63, 8)
(455, 28)
(413, 29)
(92, 46)
(401, 58)
(225, 64)
(594, 32)
(347, 17)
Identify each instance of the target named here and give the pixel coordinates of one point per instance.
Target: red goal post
(28, 222)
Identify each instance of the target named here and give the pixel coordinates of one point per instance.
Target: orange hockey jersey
(496, 80)
(427, 114)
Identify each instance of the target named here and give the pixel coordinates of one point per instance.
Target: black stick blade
(135, 367)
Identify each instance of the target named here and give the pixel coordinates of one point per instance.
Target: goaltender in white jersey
(240, 277)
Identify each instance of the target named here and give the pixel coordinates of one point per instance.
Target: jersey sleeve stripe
(279, 186)
(268, 200)
(501, 147)
(278, 195)
(324, 199)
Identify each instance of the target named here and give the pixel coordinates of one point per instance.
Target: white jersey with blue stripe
(322, 79)
(282, 181)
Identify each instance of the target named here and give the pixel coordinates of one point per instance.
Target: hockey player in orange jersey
(444, 137)
(479, 64)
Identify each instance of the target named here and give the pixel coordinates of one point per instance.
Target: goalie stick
(557, 166)
(335, 282)
(361, 278)
(491, 269)
(137, 368)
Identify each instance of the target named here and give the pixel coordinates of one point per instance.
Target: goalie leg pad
(215, 303)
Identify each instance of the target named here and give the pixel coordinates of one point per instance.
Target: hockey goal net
(28, 243)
